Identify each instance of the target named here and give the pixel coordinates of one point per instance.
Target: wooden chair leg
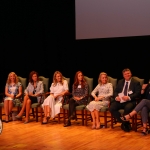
(33, 112)
(41, 110)
(135, 123)
(1, 113)
(105, 119)
(112, 121)
(36, 114)
(86, 117)
(64, 116)
(59, 118)
(82, 111)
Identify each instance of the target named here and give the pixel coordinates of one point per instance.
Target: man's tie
(126, 89)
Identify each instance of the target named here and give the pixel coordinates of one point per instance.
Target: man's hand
(125, 98)
(118, 99)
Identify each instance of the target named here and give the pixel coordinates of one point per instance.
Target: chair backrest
(23, 81)
(68, 80)
(45, 83)
(138, 79)
(113, 81)
(90, 83)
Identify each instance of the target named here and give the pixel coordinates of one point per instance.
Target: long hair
(31, 74)
(8, 79)
(76, 81)
(54, 78)
(99, 78)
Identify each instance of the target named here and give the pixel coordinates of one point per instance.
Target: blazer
(135, 87)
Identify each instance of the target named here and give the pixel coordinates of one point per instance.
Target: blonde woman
(53, 102)
(13, 90)
(101, 94)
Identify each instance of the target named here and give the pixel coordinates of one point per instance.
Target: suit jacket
(135, 87)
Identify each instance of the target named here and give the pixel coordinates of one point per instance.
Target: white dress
(105, 90)
(55, 104)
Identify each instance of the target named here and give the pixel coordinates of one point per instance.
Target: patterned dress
(105, 90)
(80, 92)
(13, 90)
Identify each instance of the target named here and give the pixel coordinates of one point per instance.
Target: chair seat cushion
(17, 103)
(34, 105)
(80, 107)
(103, 109)
(1, 104)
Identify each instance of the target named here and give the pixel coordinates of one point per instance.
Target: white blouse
(58, 88)
(105, 90)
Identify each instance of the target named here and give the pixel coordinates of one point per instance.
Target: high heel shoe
(145, 132)
(123, 118)
(18, 117)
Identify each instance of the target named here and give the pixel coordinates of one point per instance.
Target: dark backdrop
(40, 36)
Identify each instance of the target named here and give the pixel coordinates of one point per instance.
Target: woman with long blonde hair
(13, 90)
(53, 102)
(101, 94)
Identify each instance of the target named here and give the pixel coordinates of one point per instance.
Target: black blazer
(135, 87)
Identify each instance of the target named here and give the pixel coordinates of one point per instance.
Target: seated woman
(79, 93)
(53, 102)
(13, 90)
(143, 106)
(32, 94)
(104, 91)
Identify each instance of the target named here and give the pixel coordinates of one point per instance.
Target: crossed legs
(26, 106)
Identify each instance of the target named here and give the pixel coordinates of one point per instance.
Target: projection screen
(112, 18)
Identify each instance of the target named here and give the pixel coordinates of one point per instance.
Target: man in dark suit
(125, 95)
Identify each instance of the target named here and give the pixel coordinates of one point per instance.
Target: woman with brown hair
(104, 91)
(13, 90)
(32, 94)
(53, 102)
(80, 94)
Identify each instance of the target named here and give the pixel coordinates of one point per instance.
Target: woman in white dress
(101, 94)
(53, 102)
(13, 91)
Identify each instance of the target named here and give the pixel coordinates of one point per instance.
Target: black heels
(123, 118)
(145, 132)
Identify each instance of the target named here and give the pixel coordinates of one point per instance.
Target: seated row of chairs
(85, 114)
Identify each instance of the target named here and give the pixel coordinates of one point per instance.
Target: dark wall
(40, 35)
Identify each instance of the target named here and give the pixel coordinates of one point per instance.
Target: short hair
(31, 74)
(102, 73)
(126, 69)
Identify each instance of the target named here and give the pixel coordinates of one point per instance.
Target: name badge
(79, 86)
(130, 92)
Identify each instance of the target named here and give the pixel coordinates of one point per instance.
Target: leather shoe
(67, 124)
(125, 127)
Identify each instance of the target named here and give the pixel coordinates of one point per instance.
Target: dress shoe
(125, 127)
(67, 124)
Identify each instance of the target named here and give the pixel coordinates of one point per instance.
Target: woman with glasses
(32, 94)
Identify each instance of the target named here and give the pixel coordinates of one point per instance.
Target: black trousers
(127, 106)
(72, 107)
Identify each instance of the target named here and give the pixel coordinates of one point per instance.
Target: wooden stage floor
(34, 136)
